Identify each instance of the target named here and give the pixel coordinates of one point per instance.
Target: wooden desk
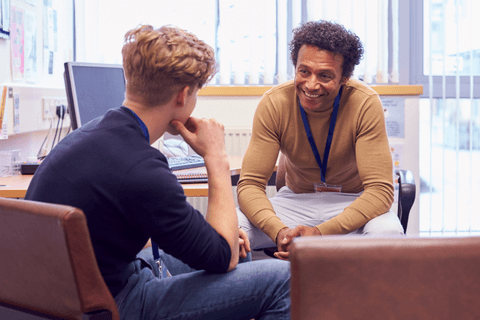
(201, 189)
(16, 186)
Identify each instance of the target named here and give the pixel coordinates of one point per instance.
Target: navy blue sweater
(124, 186)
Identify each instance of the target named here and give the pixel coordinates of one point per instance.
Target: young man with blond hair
(108, 169)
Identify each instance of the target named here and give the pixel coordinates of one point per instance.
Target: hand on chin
(172, 130)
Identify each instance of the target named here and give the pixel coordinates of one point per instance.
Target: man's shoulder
(360, 88)
(280, 96)
(286, 89)
(119, 117)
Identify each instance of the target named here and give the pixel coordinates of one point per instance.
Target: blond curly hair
(157, 62)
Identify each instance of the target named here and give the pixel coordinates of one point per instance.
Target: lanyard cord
(328, 144)
(142, 125)
(156, 255)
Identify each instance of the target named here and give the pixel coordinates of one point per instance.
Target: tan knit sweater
(359, 160)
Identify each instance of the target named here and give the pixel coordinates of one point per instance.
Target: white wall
(4, 61)
(230, 111)
(28, 143)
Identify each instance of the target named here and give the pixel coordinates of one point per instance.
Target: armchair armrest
(406, 195)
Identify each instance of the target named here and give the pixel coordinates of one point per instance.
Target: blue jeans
(256, 289)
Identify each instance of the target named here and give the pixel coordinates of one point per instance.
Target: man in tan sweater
(332, 132)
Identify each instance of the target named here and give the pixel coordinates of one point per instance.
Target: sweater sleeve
(374, 163)
(154, 202)
(257, 167)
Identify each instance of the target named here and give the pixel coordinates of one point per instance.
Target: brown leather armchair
(357, 277)
(48, 268)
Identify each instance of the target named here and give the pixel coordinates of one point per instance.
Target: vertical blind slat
(430, 95)
(470, 186)
(282, 41)
(444, 104)
(457, 116)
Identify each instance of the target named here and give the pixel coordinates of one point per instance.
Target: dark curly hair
(328, 36)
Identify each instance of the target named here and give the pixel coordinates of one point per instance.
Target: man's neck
(155, 118)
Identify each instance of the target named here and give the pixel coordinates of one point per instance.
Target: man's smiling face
(318, 77)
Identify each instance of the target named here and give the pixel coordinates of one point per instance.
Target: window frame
(417, 63)
(300, 15)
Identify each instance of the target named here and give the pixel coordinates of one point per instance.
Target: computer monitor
(92, 89)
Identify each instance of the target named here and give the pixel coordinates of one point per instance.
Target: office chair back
(48, 266)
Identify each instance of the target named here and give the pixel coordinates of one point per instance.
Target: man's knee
(387, 224)
(243, 220)
(258, 239)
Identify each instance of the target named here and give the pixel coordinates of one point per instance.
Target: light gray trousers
(311, 209)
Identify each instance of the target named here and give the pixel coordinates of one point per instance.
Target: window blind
(450, 126)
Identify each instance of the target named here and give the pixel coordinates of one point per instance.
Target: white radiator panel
(200, 203)
(236, 143)
(236, 140)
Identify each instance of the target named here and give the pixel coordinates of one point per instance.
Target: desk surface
(16, 186)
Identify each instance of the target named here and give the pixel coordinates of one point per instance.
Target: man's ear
(344, 80)
(181, 97)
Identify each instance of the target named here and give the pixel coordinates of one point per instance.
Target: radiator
(236, 140)
(236, 143)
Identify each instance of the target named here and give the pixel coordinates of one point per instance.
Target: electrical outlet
(47, 109)
(50, 104)
(60, 101)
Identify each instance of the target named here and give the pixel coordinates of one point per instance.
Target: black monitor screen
(92, 89)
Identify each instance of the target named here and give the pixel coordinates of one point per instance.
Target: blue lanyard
(142, 125)
(333, 120)
(156, 255)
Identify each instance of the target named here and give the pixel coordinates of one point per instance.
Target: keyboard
(179, 163)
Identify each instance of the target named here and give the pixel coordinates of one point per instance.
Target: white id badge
(324, 187)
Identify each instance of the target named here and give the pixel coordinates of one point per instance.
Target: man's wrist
(279, 236)
(217, 160)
